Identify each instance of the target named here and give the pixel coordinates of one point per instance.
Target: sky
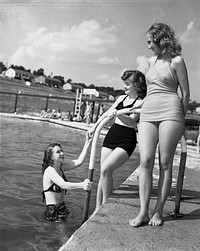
(94, 41)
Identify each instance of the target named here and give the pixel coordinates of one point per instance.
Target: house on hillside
(111, 98)
(54, 82)
(72, 87)
(43, 80)
(25, 76)
(40, 80)
(67, 87)
(10, 73)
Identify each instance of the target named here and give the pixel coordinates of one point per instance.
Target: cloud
(38, 37)
(87, 38)
(106, 60)
(192, 34)
(22, 53)
(103, 77)
(112, 81)
(1, 29)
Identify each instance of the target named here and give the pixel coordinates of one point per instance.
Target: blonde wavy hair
(164, 37)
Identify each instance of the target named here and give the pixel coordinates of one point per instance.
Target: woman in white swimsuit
(161, 118)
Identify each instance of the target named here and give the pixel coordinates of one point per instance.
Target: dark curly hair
(48, 153)
(164, 36)
(139, 81)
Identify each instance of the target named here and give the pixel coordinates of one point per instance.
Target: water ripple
(22, 146)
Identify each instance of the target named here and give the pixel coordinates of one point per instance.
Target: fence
(33, 104)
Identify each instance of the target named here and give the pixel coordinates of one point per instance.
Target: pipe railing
(176, 213)
(51, 97)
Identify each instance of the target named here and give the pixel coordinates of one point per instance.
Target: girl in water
(55, 183)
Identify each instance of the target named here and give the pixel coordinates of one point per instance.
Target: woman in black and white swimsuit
(121, 139)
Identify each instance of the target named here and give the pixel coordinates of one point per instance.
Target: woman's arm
(104, 115)
(132, 119)
(136, 109)
(58, 180)
(71, 164)
(181, 71)
(128, 120)
(82, 156)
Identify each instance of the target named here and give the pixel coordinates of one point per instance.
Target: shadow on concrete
(189, 198)
(126, 191)
(132, 191)
(193, 215)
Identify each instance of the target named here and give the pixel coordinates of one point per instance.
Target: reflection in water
(22, 147)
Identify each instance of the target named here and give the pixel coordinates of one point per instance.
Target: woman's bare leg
(170, 133)
(117, 158)
(148, 137)
(105, 152)
(110, 160)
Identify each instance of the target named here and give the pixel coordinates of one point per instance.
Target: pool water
(22, 147)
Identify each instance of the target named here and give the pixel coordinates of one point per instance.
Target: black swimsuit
(121, 136)
(121, 105)
(55, 212)
(55, 188)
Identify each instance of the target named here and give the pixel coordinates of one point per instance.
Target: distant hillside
(14, 85)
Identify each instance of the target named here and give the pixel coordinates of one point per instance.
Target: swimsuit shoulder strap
(135, 100)
(156, 59)
(120, 104)
(131, 105)
(63, 175)
(124, 98)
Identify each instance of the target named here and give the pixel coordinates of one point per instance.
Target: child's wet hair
(48, 153)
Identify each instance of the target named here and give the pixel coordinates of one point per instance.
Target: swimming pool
(22, 146)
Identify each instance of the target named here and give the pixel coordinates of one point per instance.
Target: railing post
(92, 112)
(16, 99)
(74, 108)
(180, 179)
(98, 112)
(47, 102)
(91, 166)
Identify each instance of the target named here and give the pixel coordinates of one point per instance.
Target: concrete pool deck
(108, 229)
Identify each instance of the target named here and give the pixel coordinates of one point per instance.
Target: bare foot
(156, 220)
(139, 220)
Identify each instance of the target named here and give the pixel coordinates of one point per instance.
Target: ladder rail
(79, 93)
